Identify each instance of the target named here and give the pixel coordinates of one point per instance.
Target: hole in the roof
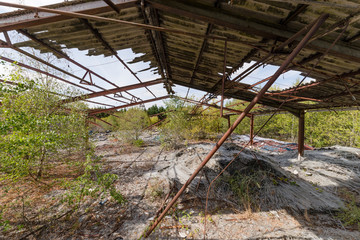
(43, 31)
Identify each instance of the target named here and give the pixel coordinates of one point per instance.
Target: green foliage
(44, 141)
(246, 187)
(91, 183)
(182, 125)
(350, 215)
(138, 142)
(155, 110)
(321, 128)
(34, 128)
(129, 124)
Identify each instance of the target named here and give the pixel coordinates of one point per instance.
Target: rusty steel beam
(134, 24)
(353, 38)
(293, 14)
(94, 123)
(300, 8)
(152, 41)
(159, 40)
(112, 91)
(55, 93)
(200, 53)
(252, 130)
(303, 61)
(154, 124)
(112, 5)
(6, 44)
(342, 76)
(53, 76)
(203, 46)
(92, 112)
(28, 20)
(267, 57)
(211, 105)
(98, 35)
(102, 120)
(293, 97)
(283, 66)
(65, 56)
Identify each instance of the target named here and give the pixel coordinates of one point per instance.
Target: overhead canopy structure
(201, 44)
(192, 43)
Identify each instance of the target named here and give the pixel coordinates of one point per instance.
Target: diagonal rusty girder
(98, 35)
(55, 93)
(54, 76)
(112, 5)
(203, 46)
(159, 40)
(61, 54)
(283, 66)
(333, 78)
(211, 105)
(159, 57)
(96, 111)
(112, 91)
(300, 8)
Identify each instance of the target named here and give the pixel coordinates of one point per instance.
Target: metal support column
(252, 130)
(301, 133)
(256, 99)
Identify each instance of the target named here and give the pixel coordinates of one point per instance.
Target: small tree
(34, 128)
(131, 123)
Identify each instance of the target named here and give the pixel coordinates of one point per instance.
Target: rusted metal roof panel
(198, 62)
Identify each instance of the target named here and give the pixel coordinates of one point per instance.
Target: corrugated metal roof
(198, 62)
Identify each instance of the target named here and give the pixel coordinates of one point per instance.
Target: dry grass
(28, 203)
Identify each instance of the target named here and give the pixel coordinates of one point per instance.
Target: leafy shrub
(34, 129)
(181, 125)
(130, 124)
(38, 137)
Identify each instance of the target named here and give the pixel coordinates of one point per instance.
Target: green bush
(45, 142)
(181, 125)
(35, 128)
(129, 124)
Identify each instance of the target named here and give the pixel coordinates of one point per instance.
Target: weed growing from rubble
(91, 183)
(350, 215)
(246, 187)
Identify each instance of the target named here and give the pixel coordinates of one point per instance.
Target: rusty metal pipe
(252, 130)
(301, 134)
(283, 66)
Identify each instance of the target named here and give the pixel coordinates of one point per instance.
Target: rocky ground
(297, 199)
(261, 195)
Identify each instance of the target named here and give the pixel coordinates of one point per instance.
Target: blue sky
(113, 70)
